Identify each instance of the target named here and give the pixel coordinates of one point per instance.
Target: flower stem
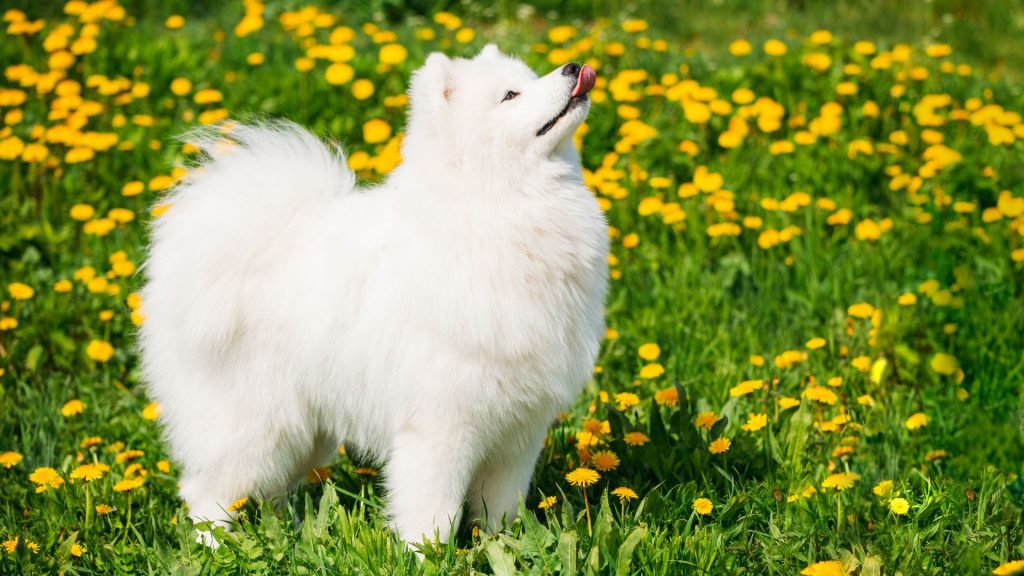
(586, 505)
(839, 511)
(88, 506)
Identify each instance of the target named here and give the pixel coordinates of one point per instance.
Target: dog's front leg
(427, 475)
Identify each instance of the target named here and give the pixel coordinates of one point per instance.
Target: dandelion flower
(362, 89)
(151, 411)
(883, 488)
(899, 506)
(703, 506)
(318, 475)
(90, 442)
(746, 387)
(787, 402)
(706, 420)
(862, 310)
(11, 544)
(1013, 567)
(99, 350)
(129, 484)
(237, 504)
(10, 459)
(626, 400)
(45, 479)
(944, 364)
(624, 494)
(651, 371)
(636, 438)
(20, 291)
(815, 343)
(720, 445)
(90, 472)
(547, 502)
(821, 394)
(917, 420)
(755, 422)
(649, 351)
(72, 407)
(667, 397)
(841, 481)
(582, 477)
(826, 568)
(104, 509)
(376, 131)
(77, 550)
(605, 460)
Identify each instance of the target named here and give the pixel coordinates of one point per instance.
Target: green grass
(710, 303)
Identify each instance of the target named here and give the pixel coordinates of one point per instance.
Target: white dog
(437, 322)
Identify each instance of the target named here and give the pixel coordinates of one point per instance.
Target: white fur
(436, 323)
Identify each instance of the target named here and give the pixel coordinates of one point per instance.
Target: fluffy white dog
(437, 322)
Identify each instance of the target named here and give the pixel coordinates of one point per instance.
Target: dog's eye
(509, 95)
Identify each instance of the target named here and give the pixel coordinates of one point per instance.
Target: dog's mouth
(584, 83)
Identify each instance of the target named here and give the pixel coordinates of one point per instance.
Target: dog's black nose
(571, 69)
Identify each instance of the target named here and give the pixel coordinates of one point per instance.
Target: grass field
(815, 351)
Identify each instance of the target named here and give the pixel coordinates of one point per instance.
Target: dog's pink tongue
(586, 81)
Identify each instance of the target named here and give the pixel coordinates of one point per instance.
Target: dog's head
(495, 103)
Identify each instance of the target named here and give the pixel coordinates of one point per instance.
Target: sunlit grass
(813, 361)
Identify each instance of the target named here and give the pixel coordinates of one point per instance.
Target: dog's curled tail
(254, 186)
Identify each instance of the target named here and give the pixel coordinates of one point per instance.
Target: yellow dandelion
(826, 568)
(944, 364)
(72, 407)
(841, 481)
(129, 484)
(651, 371)
(626, 400)
(237, 504)
(90, 441)
(821, 394)
(20, 291)
(636, 438)
(318, 475)
(104, 509)
(746, 387)
(815, 343)
(755, 422)
(883, 489)
(362, 89)
(899, 506)
(917, 420)
(151, 411)
(649, 351)
(1012, 567)
(90, 472)
(625, 494)
(787, 402)
(10, 459)
(582, 477)
(100, 350)
(547, 502)
(605, 460)
(45, 479)
(720, 445)
(862, 310)
(706, 420)
(667, 396)
(703, 506)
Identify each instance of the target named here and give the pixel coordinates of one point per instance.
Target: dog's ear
(489, 51)
(432, 84)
